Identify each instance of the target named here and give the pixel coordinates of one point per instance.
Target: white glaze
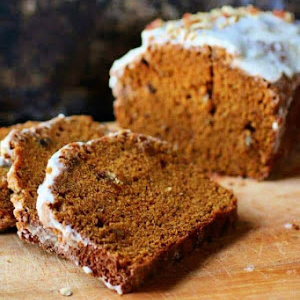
(256, 42)
(288, 225)
(46, 196)
(120, 64)
(116, 288)
(87, 270)
(51, 122)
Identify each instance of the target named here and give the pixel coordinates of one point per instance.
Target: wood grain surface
(259, 259)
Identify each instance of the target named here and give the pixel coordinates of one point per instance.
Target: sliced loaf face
(30, 150)
(7, 219)
(125, 204)
(218, 85)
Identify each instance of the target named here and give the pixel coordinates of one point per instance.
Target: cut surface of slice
(30, 150)
(7, 219)
(125, 204)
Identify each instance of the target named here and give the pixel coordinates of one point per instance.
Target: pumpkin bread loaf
(30, 150)
(7, 219)
(125, 204)
(222, 86)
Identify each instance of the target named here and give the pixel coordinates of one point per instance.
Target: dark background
(55, 55)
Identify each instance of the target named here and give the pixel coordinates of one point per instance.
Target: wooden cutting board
(260, 259)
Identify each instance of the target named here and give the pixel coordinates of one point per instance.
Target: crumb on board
(66, 291)
(169, 189)
(249, 268)
(291, 226)
(288, 225)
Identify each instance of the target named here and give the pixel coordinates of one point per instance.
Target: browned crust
(98, 260)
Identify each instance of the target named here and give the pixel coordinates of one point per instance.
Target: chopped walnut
(155, 24)
(284, 15)
(226, 16)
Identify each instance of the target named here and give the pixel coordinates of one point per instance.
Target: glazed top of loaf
(262, 43)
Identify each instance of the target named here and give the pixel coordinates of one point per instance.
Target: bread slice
(30, 150)
(223, 86)
(7, 219)
(126, 204)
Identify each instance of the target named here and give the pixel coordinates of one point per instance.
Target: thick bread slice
(30, 150)
(126, 204)
(7, 219)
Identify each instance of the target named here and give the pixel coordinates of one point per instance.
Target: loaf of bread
(222, 86)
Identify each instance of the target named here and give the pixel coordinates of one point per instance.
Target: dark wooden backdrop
(55, 55)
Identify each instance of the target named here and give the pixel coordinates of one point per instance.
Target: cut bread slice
(30, 150)
(7, 219)
(125, 204)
